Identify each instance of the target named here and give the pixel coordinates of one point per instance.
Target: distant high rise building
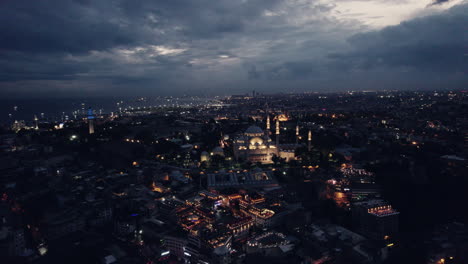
(309, 140)
(91, 121)
(36, 125)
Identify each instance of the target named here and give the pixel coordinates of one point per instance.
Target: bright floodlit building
(255, 145)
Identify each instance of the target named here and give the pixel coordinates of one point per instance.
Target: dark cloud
(60, 26)
(433, 43)
(423, 52)
(75, 26)
(146, 46)
(202, 18)
(17, 66)
(439, 2)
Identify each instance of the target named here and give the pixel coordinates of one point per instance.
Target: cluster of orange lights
(241, 225)
(261, 213)
(156, 188)
(311, 167)
(258, 200)
(334, 116)
(381, 210)
(234, 197)
(218, 241)
(211, 196)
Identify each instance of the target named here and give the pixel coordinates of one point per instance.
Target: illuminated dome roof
(282, 118)
(254, 130)
(256, 141)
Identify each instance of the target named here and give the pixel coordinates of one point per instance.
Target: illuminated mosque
(255, 145)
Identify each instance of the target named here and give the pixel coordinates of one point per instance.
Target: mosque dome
(218, 151)
(254, 131)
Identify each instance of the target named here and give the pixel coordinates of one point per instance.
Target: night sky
(206, 47)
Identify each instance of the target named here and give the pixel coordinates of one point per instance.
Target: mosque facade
(255, 145)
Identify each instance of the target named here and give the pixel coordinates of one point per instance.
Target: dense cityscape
(350, 177)
(233, 132)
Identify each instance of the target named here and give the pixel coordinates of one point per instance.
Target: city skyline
(355, 177)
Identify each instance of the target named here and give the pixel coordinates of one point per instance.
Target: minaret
(277, 133)
(309, 139)
(297, 134)
(91, 121)
(36, 125)
(268, 122)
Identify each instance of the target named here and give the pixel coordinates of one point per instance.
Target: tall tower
(91, 121)
(268, 122)
(309, 140)
(36, 125)
(297, 134)
(277, 132)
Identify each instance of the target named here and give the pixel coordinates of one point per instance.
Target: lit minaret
(268, 122)
(297, 134)
(91, 121)
(277, 132)
(36, 125)
(309, 139)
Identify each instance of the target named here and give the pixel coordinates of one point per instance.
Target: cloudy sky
(171, 47)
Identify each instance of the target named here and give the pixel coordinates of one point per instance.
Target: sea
(56, 110)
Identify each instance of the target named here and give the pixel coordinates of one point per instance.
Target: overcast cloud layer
(147, 47)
